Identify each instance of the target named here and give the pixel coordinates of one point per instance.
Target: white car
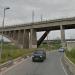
(61, 50)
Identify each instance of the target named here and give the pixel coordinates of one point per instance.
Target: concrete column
(20, 39)
(10, 34)
(26, 39)
(33, 39)
(63, 43)
(15, 35)
(5, 33)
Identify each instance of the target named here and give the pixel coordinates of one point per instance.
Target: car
(61, 50)
(38, 55)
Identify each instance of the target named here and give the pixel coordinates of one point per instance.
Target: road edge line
(63, 67)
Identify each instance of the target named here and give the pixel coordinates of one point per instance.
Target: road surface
(51, 66)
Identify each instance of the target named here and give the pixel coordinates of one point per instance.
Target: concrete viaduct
(24, 35)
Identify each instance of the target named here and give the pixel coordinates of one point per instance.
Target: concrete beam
(42, 38)
(33, 39)
(69, 23)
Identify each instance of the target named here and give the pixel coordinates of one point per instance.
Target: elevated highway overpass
(24, 35)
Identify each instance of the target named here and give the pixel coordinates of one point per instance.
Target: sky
(21, 12)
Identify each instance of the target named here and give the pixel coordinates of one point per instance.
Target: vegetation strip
(69, 65)
(71, 55)
(69, 60)
(11, 52)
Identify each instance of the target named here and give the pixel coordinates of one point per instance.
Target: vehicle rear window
(38, 52)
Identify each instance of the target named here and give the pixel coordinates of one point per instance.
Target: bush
(50, 46)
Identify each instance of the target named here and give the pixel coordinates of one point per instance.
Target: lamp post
(41, 17)
(6, 8)
(33, 16)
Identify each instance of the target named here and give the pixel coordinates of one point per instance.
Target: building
(70, 45)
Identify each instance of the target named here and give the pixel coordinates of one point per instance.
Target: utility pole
(2, 31)
(41, 17)
(33, 16)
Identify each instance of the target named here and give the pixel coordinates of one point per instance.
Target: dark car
(39, 55)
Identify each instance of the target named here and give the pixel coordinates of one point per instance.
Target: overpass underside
(26, 38)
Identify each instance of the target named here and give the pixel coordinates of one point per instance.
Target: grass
(12, 52)
(50, 46)
(71, 55)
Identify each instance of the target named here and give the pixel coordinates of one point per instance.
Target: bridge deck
(68, 23)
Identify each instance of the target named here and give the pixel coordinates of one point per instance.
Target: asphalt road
(51, 66)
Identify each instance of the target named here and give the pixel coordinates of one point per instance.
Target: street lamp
(33, 16)
(6, 8)
(41, 17)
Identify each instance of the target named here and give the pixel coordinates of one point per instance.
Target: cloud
(21, 10)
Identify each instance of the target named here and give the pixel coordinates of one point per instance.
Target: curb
(10, 63)
(69, 65)
(69, 60)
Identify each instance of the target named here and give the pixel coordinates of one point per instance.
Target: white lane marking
(63, 67)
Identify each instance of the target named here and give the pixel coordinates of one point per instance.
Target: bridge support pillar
(33, 39)
(10, 34)
(15, 35)
(26, 39)
(20, 39)
(63, 43)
